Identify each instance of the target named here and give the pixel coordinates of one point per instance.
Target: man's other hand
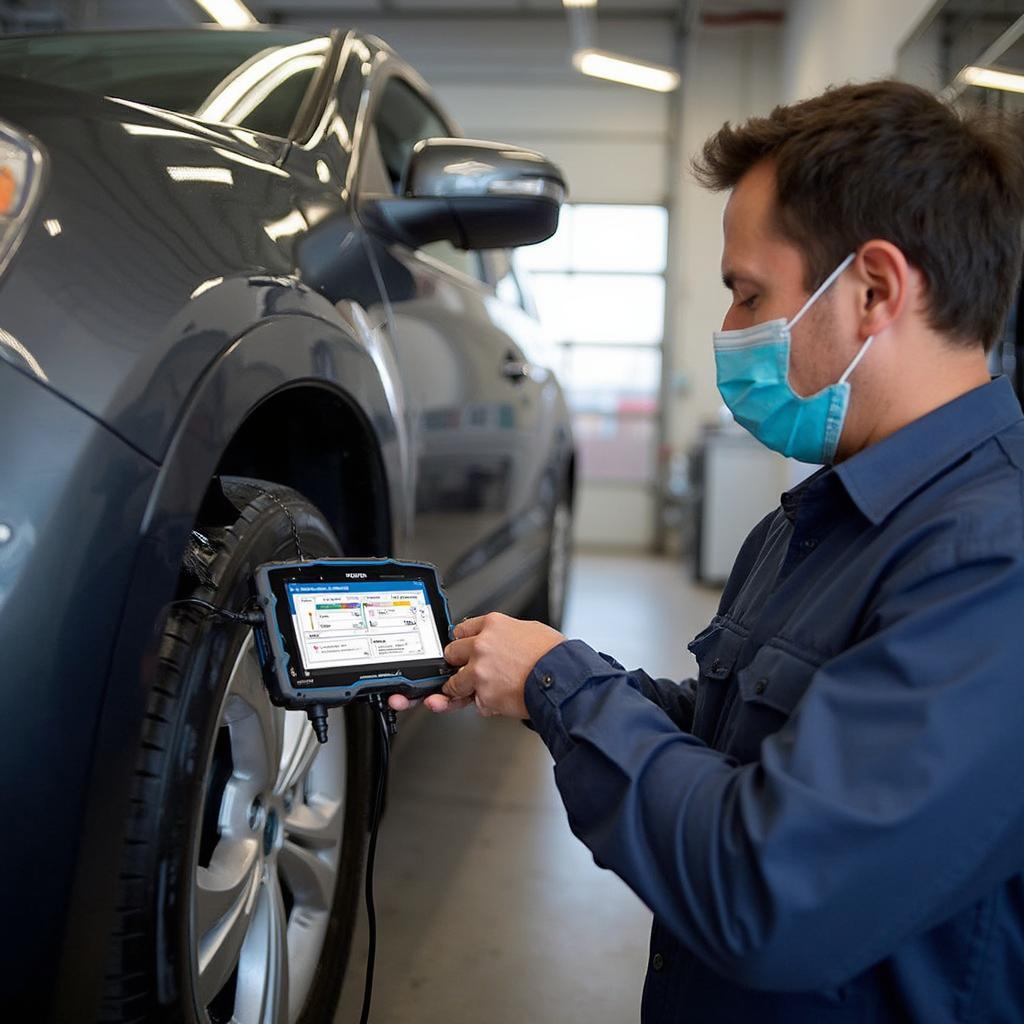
(495, 654)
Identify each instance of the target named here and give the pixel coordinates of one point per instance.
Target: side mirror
(476, 195)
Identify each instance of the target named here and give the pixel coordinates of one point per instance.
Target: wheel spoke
(310, 878)
(257, 727)
(316, 823)
(261, 996)
(300, 746)
(225, 896)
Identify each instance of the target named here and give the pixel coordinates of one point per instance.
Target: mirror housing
(476, 195)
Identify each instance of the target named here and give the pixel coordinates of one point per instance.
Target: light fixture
(148, 129)
(989, 78)
(579, 3)
(216, 175)
(229, 13)
(601, 64)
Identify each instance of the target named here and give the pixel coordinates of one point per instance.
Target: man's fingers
(439, 702)
(469, 627)
(459, 685)
(458, 651)
(399, 703)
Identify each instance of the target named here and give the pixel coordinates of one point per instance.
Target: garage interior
(475, 852)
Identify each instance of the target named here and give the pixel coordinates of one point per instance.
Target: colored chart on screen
(341, 624)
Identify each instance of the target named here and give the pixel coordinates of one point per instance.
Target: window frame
(375, 84)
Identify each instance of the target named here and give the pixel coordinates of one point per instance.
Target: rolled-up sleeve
(889, 800)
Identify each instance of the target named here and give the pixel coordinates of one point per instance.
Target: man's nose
(731, 321)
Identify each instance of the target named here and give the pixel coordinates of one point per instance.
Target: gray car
(255, 294)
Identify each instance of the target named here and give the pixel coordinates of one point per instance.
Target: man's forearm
(676, 699)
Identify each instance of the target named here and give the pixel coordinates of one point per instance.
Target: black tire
(152, 972)
(549, 599)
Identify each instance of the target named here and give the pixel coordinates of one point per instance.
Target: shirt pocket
(769, 689)
(716, 649)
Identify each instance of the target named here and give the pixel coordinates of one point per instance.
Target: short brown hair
(889, 160)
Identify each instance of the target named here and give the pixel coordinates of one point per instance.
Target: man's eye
(750, 303)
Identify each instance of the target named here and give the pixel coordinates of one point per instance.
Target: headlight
(21, 168)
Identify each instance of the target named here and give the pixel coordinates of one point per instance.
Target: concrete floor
(488, 908)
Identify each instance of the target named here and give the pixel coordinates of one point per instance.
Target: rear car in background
(256, 296)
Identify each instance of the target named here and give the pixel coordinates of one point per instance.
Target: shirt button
(546, 681)
(760, 686)
(657, 962)
(810, 544)
(716, 665)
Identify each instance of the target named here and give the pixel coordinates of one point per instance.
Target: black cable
(249, 617)
(388, 727)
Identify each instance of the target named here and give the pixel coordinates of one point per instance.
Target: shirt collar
(792, 498)
(880, 478)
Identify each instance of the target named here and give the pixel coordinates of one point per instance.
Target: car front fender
(279, 353)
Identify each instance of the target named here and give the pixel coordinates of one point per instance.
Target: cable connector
(317, 715)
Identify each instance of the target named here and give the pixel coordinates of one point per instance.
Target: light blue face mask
(753, 378)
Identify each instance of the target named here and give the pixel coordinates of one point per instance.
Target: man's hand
(496, 654)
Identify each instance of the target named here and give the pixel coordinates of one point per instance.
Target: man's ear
(883, 279)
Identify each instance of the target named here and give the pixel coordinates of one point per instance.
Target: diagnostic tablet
(336, 629)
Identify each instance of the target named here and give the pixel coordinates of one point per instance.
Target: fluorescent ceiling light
(579, 3)
(987, 78)
(230, 13)
(600, 64)
(216, 175)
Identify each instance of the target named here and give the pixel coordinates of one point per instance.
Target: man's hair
(889, 160)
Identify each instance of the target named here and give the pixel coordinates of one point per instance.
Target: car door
(473, 397)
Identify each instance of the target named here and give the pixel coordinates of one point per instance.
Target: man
(833, 828)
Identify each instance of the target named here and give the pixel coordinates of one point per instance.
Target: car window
(255, 80)
(401, 119)
(503, 277)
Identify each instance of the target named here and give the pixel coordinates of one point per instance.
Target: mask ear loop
(823, 287)
(857, 358)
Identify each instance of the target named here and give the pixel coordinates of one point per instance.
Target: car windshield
(252, 78)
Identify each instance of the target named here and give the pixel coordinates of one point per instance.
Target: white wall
(828, 42)
(730, 74)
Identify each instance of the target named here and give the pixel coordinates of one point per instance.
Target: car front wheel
(244, 850)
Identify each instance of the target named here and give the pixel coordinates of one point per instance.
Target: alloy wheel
(267, 855)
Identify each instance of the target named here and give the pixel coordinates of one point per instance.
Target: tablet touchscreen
(339, 625)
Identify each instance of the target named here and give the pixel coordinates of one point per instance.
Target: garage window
(599, 288)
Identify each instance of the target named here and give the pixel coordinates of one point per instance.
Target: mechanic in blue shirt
(828, 824)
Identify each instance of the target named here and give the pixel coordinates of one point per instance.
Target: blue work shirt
(833, 829)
